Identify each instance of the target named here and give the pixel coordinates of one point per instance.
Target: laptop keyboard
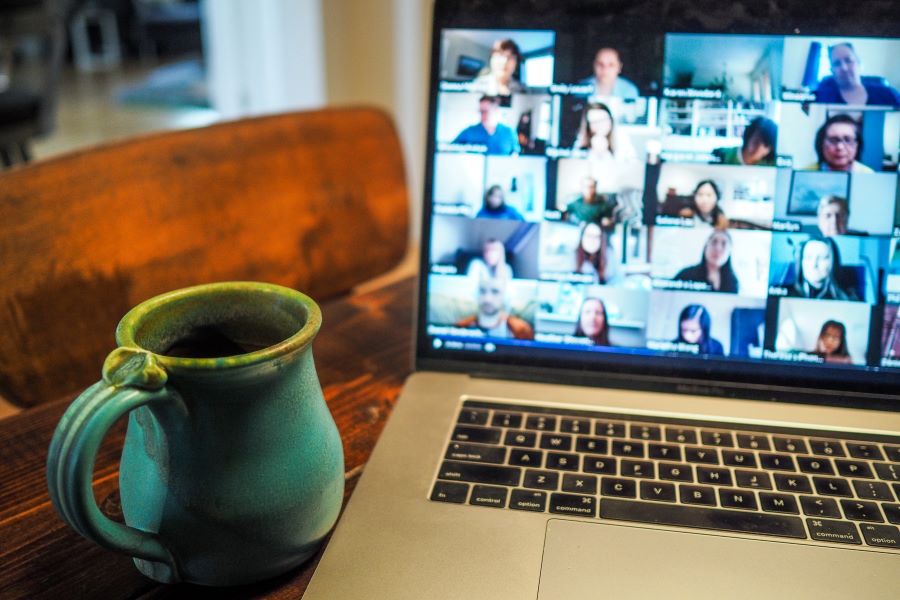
(826, 487)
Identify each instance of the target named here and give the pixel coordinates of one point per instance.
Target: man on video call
(492, 317)
(607, 79)
(489, 131)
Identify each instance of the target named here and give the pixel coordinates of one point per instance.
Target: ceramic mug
(232, 469)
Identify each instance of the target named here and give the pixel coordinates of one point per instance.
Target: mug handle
(131, 378)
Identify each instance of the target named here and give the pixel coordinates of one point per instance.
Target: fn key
(448, 491)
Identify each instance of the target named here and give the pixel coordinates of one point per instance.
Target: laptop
(657, 339)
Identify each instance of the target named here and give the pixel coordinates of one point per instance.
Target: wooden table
(362, 355)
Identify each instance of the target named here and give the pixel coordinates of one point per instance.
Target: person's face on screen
(706, 198)
(718, 249)
(755, 149)
(691, 331)
(503, 64)
(817, 262)
(495, 198)
(607, 66)
(589, 188)
(592, 321)
(591, 238)
(839, 146)
(830, 340)
(490, 297)
(600, 123)
(832, 219)
(489, 113)
(844, 66)
(493, 253)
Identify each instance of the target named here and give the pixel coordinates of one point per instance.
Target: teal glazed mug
(232, 470)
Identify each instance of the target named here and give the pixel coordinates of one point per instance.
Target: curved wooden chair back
(316, 201)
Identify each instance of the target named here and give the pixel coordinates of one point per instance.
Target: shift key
(479, 473)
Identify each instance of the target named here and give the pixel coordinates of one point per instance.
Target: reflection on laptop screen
(733, 201)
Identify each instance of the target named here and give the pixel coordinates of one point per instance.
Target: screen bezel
(876, 390)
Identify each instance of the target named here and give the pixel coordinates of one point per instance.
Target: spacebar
(702, 518)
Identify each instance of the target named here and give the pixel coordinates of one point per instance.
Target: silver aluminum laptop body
(393, 541)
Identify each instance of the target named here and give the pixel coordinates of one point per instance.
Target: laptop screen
(637, 193)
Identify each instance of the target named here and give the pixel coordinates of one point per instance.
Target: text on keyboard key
(869, 451)
(776, 462)
(473, 416)
(706, 456)
(732, 498)
(781, 503)
(620, 488)
(479, 435)
(717, 438)
(883, 536)
(872, 490)
(571, 504)
(523, 439)
(675, 472)
(579, 484)
(507, 419)
(792, 445)
(562, 461)
(793, 483)
(853, 468)
(680, 435)
(575, 426)
(839, 532)
(860, 510)
(753, 479)
(476, 453)
(827, 448)
(486, 495)
(820, 507)
(541, 480)
(830, 486)
(636, 468)
(449, 491)
(605, 466)
(591, 445)
(887, 471)
(519, 457)
(540, 423)
(655, 490)
(752, 441)
(479, 473)
(695, 494)
(529, 500)
(738, 458)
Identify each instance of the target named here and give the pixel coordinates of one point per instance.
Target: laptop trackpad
(601, 560)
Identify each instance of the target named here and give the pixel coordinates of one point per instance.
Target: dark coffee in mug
(211, 341)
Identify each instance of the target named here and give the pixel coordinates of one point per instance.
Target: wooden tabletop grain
(363, 355)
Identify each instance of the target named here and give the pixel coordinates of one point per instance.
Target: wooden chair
(315, 201)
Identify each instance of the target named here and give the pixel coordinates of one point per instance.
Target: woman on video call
(714, 267)
(846, 84)
(597, 134)
(817, 263)
(499, 77)
(832, 343)
(704, 208)
(590, 255)
(694, 324)
(494, 206)
(839, 144)
(592, 322)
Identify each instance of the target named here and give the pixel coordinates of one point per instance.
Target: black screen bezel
(868, 389)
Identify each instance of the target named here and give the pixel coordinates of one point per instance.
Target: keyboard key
(893, 453)
(829, 486)
(592, 445)
(562, 461)
(853, 468)
(448, 491)
(675, 472)
(713, 476)
(707, 456)
(541, 480)
(606, 466)
(609, 429)
(645, 432)
(817, 466)
(636, 468)
(473, 416)
(827, 447)
(479, 473)
(859, 510)
(721, 439)
(776, 462)
(695, 494)
(737, 458)
(681, 435)
(781, 503)
(620, 488)
(479, 435)
(664, 452)
(820, 507)
(792, 445)
(839, 532)
(556, 441)
(575, 426)
(731, 498)
(528, 500)
(507, 419)
(579, 484)
(540, 423)
(887, 471)
(655, 490)
(525, 458)
(627, 448)
(485, 495)
(703, 518)
(753, 479)
(753, 441)
(869, 451)
(884, 536)
(476, 453)
(570, 504)
(793, 483)
(892, 512)
(872, 490)
(523, 439)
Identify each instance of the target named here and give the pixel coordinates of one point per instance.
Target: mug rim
(129, 324)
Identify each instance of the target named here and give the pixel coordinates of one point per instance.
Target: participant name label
(693, 93)
(670, 346)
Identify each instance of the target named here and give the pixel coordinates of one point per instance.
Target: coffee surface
(211, 342)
